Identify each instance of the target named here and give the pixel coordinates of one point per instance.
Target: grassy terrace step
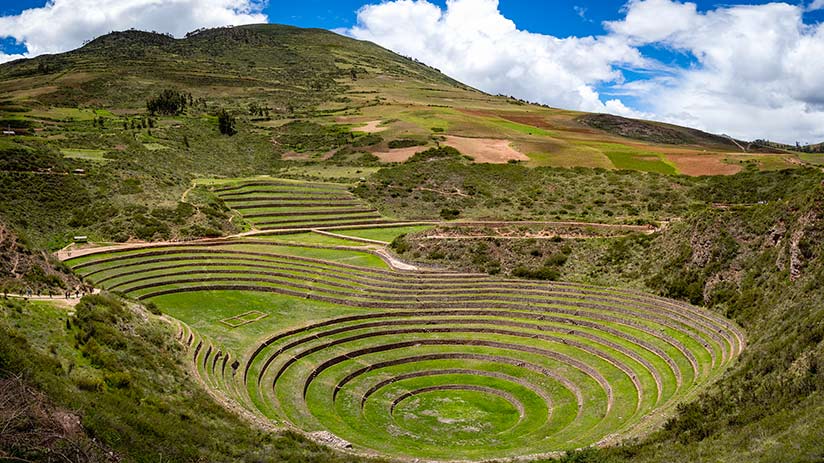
(313, 224)
(305, 212)
(232, 202)
(280, 184)
(295, 202)
(421, 279)
(282, 205)
(420, 364)
(321, 293)
(330, 281)
(240, 194)
(396, 294)
(319, 219)
(453, 291)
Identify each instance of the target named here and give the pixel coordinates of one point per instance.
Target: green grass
(626, 157)
(329, 172)
(523, 128)
(93, 359)
(85, 154)
(310, 238)
(382, 234)
(155, 146)
(64, 113)
(812, 158)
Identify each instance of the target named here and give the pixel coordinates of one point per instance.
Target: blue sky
(751, 69)
(561, 18)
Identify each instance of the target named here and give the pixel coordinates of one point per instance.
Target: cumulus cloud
(62, 25)
(816, 5)
(758, 71)
(473, 42)
(758, 74)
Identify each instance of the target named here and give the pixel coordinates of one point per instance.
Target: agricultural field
(288, 205)
(324, 333)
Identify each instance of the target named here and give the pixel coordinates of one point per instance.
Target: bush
(433, 154)
(555, 259)
(540, 273)
(367, 140)
(399, 244)
(449, 214)
(87, 380)
(405, 143)
(153, 308)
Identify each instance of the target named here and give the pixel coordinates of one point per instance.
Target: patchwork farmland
(326, 335)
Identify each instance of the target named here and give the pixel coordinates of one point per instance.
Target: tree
(226, 123)
(168, 101)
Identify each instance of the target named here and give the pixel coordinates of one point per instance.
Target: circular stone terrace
(330, 337)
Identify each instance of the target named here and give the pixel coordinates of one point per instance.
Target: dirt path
(58, 299)
(68, 252)
(569, 236)
(394, 262)
(502, 223)
(186, 193)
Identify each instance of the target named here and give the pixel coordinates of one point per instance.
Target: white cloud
(471, 41)
(816, 5)
(62, 25)
(757, 73)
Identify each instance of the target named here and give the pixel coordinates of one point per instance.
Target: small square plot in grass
(244, 318)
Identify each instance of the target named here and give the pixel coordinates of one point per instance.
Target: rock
(327, 438)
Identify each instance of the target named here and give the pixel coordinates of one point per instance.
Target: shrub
(399, 244)
(540, 273)
(405, 143)
(555, 259)
(367, 140)
(449, 214)
(87, 380)
(433, 154)
(153, 308)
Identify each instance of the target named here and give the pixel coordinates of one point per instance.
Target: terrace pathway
(68, 252)
(57, 299)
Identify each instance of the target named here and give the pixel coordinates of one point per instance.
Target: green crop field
(324, 334)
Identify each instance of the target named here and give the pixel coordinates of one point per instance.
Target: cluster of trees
(169, 102)
(258, 110)
(139, 123)
(226, 123)
(809, 148)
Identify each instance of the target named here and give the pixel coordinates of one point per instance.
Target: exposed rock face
(326, 437)
(21, 267)
(796, 253)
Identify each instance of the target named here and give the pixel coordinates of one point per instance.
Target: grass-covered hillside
(138, 113)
